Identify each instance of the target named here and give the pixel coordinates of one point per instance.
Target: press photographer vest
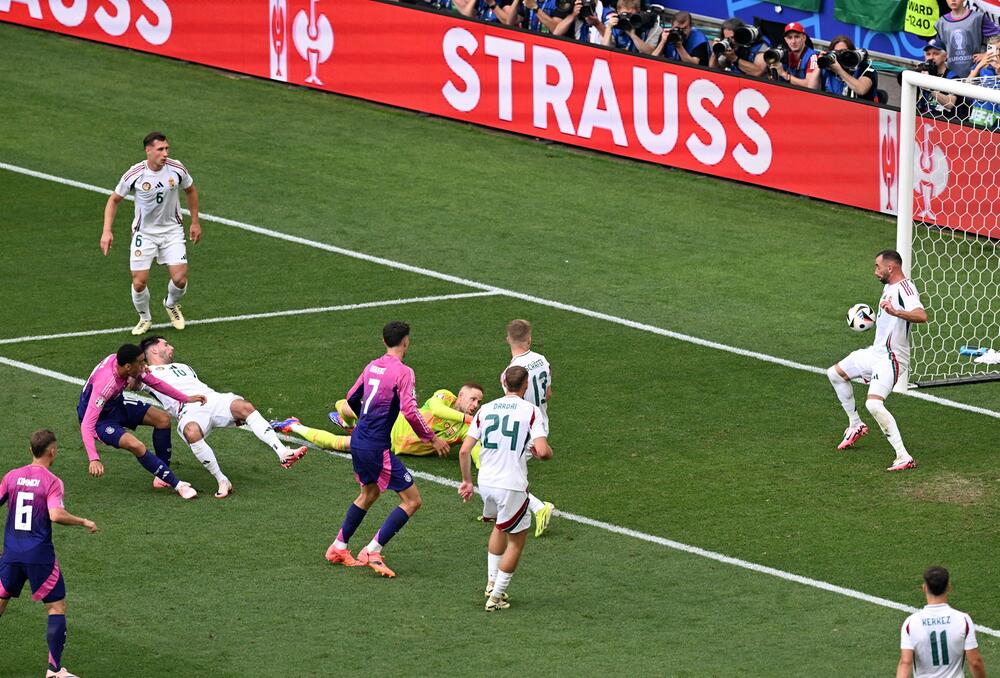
(835, 85)
(800, 71)
(694, 39)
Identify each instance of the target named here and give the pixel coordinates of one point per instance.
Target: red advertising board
(648, 109)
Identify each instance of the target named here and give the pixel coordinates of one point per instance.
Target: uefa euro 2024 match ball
(860, 317)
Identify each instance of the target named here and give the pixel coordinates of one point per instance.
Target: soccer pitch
(687, 320)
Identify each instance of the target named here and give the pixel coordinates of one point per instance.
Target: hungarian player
(937, 641)
(508, 430)
(35, 497)
(885, 363)
(448, 416)
(105, 413)
(385, 388)
(539, 394)
(157, 229)
(220, 410)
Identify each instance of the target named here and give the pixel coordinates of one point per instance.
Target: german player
(539, 394)
(937, 641)
(385, 388)
(36, 501)
(157, 229)
(885, 363)
(105, 413)
(509, 430)
(448, 416)
(220, 410)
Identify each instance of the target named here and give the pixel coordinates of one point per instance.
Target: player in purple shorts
(36, 501)
(385, 388)
(105, 414)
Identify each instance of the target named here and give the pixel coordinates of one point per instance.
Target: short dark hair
(732, 23)
(936, 579)
(472, 384)
(128, 353)
(844, 39)
(152, 138)
(516, 378)
(890, 255)
(149, 341)
(394, 333)
(41, 441)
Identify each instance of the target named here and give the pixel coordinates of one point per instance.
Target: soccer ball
(860, 317)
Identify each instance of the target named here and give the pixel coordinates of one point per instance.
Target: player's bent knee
(192, 432)
(242, 409)
(876, 406)
(834, 375)
(58, 607)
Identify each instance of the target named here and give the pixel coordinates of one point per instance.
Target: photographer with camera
(506, 12)
(795, 62)
(848, 71)
(572, 18)
(931, 102)
(631, 29)
(739, 49)
(683, 42)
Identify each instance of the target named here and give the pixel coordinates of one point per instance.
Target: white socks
(174, 294)
(203, 453)
(492, 567)
(265, 433)
(845, 393)
(503, 580)
(888, 425)
(374, 546)
(534, 503)
(141, 302)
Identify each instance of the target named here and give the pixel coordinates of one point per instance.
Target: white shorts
(880, 370)
(509, 508)
(216, 413)
(167, 248)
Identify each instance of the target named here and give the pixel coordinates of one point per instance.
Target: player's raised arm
(192, 202)
(110, 210)
(166, 389)
(439, 409)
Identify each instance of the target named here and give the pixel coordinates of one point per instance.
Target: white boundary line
(505, 292)
(257, 316)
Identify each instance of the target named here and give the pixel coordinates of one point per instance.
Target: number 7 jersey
(504, 428)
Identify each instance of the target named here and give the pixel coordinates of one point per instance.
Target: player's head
(888, 266)
(43, 441)
(936, 581)
(132, 358)
(157, 147)
(515, 379)
(519, 333)
(396, 335)
(157, 350)
(469, 398)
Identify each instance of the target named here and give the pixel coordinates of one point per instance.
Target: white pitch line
(257, 316)
(505, 292)
(608, 527)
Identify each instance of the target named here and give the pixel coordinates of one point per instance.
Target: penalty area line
(465, 282)
(590, 522)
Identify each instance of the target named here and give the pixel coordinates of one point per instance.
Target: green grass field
(710, 448)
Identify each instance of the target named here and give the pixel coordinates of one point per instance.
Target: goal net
(948, 232)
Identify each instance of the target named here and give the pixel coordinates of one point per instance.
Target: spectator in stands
(859, 83)
(963, 32)
(692, 49)
(739, 59)
(986, 114)
(506, 12)
(643, 39)
(798, 66)
(930, 102)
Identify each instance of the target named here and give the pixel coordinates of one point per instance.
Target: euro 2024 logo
(312, 35)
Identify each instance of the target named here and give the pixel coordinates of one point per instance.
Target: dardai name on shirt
(547, 76)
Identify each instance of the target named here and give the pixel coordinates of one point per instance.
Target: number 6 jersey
(29, 491)
(504, 428)
(157, 200)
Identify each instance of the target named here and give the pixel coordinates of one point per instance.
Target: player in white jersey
(885, 363)
(157, 229)
(538, 394)
(937, 641)
(221, 410)
(509, 430)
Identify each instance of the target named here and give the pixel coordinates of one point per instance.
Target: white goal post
(950, 244)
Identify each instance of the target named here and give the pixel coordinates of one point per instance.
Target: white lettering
(158, 33)
(551, 94)
(664, 142)
(714, 151)
(467, 99)
(751, 100)
(375, 369)
(69, 16)
(117, 23)
(609, 118)
(506, 51)
(34, 9)
(28, 482)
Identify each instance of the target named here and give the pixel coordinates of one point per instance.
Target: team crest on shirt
(407, 477)
(138, 253)
(146, 186)
(99, 402)
(170, 182)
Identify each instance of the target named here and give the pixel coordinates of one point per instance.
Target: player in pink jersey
(384, 389)
(105, 414)
(36, 501)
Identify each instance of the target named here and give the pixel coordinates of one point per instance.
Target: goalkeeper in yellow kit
(447, 414)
